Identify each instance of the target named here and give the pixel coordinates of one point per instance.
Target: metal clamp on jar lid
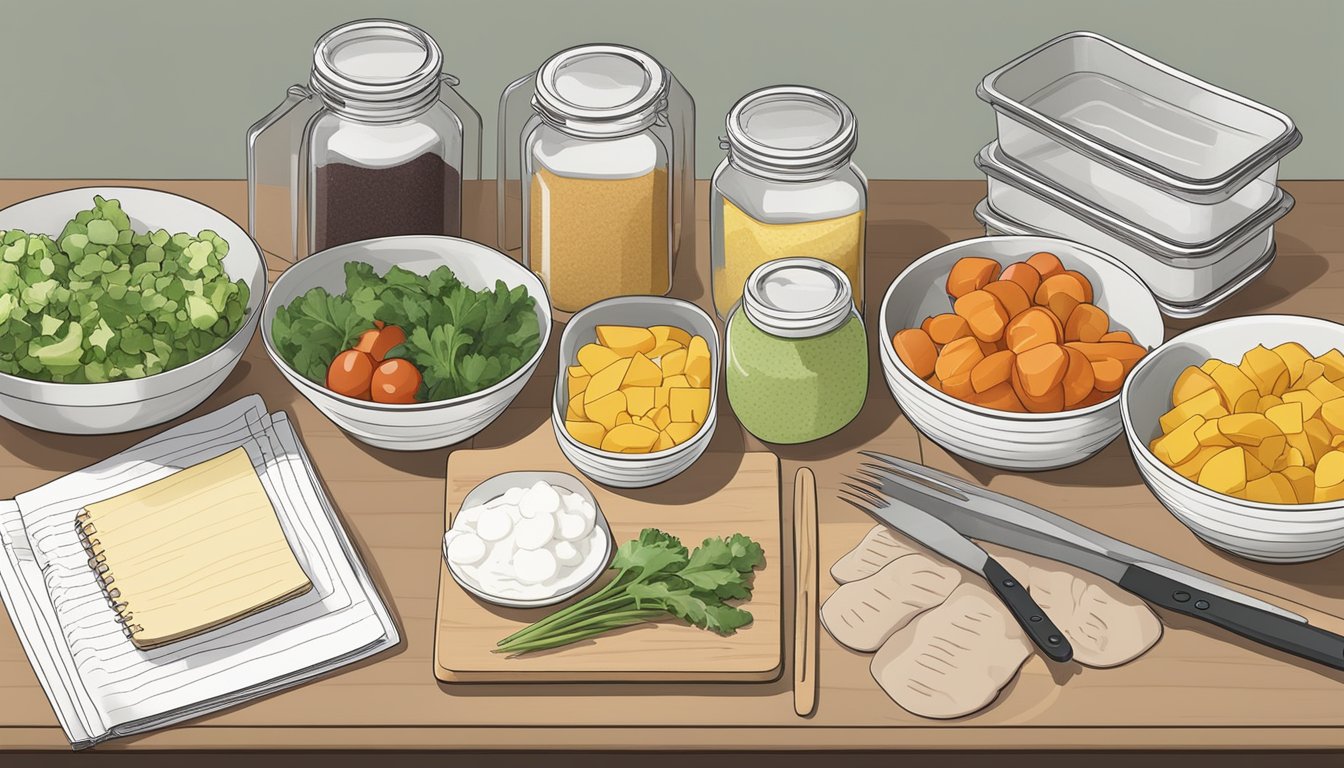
(798, 298)
(377, 70)
(790, 132)
(601, 90)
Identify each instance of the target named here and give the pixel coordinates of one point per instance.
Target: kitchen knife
(988, 516)
(943, 539)
(1148, 576)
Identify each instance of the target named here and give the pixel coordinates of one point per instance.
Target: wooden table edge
(701, 739)
(800, 735)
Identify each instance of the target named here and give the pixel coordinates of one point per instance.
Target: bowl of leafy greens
(411, 342)
(120, 308)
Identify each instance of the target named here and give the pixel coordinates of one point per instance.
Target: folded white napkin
(100, 685)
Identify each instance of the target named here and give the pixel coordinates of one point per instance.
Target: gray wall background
(167, 88)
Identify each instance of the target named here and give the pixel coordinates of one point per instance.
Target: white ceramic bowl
(413, 426)
(1016, 441)
(628, 470)
(499, 485)
(121, 406)
(1280, 533)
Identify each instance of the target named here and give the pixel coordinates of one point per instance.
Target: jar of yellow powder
(599, 140)
(788, 187)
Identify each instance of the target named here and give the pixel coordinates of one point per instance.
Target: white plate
(499, 485)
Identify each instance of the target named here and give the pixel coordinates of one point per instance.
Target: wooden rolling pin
(805, 592)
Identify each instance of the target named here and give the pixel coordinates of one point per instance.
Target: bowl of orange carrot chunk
(1012, 351)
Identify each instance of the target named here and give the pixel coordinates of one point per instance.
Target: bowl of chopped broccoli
(411, 342)
(120, 307)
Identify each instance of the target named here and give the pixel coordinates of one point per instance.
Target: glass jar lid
(601, 90)
(797, 297)
(377, 70)
(791, 130)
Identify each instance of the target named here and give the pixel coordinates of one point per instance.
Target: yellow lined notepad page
(193, 551)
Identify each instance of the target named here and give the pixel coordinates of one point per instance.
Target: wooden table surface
(1199, 688)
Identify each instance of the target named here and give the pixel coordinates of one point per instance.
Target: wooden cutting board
(721, 494)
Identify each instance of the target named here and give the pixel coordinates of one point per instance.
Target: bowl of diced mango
(635, 398)
(1238, 428)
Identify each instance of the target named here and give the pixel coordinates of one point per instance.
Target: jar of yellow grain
(599, 140)
(788, 187)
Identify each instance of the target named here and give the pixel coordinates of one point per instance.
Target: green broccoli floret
(61, 353)
(102, 303)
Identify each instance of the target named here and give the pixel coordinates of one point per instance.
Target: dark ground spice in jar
(418, 197)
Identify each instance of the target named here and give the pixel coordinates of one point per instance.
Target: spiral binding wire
(84, 529)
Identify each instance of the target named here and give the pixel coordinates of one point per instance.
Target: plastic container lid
(601, 90)
(791, 130)
(1141, 117)
(377, 70)
(797, 298)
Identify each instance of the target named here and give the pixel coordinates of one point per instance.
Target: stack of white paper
(99, 683)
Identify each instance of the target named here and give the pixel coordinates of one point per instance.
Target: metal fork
(989, 516)
(867, 496)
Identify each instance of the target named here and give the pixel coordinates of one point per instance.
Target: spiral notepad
(191, 552)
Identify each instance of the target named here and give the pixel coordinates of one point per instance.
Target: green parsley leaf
(462, 340)
(656, 577)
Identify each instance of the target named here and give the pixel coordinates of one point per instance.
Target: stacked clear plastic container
(1104, 145)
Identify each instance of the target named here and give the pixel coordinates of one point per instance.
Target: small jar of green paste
(797, 352)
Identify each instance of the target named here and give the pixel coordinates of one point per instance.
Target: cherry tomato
(395, 381)
(350, 374)
(378, 342)
(366, 341)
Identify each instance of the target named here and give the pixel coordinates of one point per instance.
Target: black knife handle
(1035, 623)
(1263, 627)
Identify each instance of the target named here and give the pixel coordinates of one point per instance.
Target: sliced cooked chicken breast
(862, 614)
(878, 547)
(954, 659)
(1106, 625)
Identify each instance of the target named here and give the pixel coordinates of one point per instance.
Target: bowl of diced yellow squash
(635, 400)
(1238, 428)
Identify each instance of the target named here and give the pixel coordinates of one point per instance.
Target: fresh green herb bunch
(655, 578)
(462, 340)
(104, 303)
